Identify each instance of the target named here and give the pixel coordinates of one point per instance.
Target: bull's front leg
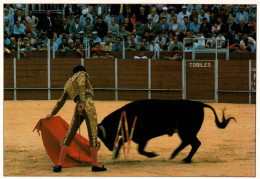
(120, 143)
(142, 152)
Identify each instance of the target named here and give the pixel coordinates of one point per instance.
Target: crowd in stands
(141, 27)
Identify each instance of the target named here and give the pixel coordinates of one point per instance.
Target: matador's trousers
(90, 116)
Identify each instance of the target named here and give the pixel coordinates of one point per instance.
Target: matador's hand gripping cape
(53, 130)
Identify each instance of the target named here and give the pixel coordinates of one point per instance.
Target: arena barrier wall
(39, 77)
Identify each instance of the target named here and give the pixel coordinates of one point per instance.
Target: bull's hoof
(186, 160)
(152, 154)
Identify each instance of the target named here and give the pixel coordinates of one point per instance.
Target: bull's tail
(225, 120)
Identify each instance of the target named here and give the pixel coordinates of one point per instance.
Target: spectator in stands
(182, 14)
(107, 45)
(81, 50)
(215, 29)
(39, 43)
(72, 47)
(44, 37)
(26, 49)
(109, 18)
(234, 9)
(88, 27)
(161, 41)
(13, 45)
(241, 15)
(175, 26)
(250, 47)
(123, 32)
(130, 45)
(110, 36)
(150, 26)
(139, 27)
(56, 41)
(153, 14)
(94, 55)
(223, 27)
(64, 46)
(203, 15)
(165, 13)
(172, 14)
(47, 24)
(43, 48)
(77, 43)
(142, 16)
(100, 10)
(247, 39)
(18, 30)
(128, 25)
(236, 43)
(89, 8)
(6, 50)
(223, 16)
(201, 42)
(242, 29)
(118, 45)
(84, 16)
(33, 22)
(191, 7)
(143, 45)
(237, 49)
(152, 46)
(133, 19)
(27, 27)
(95, 37)
(185, 27)
(31, 40)
(194, 13)
(10, 9)
(205, 27)
(163, 27)
(252, 16)
(8, 16)
(107, 56)
(232, 29)
(119, 10)
(57, 21)
(6, 38)
(101, 27)
(19, 16)
(70, 18)
(137, 37)
(113, 27)
(63, 27)
(76, 27)
(8, 28)
(148, 36)
(71, 8)
(175, 43)
(220, 40)
(210, 43)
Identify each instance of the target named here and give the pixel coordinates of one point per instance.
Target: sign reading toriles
(199, 64)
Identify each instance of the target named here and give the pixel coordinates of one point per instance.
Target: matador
(79, 89)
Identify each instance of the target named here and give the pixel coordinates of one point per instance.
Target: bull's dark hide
(156, 118)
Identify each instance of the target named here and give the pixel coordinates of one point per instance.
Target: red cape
(53, 131)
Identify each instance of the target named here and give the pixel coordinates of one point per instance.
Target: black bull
(156, 118)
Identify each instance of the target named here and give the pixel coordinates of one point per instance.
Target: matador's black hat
(78, 68)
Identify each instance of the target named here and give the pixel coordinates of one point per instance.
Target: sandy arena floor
(228, 152)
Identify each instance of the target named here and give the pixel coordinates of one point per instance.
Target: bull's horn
(103, 130)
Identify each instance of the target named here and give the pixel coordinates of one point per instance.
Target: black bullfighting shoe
(98, 169)
(57, 168)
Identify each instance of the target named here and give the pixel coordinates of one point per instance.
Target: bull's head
(106, 137)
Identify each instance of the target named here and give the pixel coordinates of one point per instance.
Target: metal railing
(215, 50)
